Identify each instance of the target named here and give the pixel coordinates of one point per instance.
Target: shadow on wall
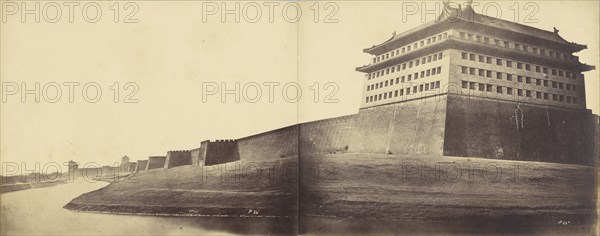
(178, 158)
(221, 151)
(156, 162)
(516, 131)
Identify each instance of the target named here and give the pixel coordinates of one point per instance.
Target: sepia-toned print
(299, 117)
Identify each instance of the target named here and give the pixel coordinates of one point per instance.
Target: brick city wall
(516, 131)
(131, 166)
(277, 143)
(178, 158)
(141, 165)
(156, 162)
(412, 127)
(318, 136)
(450, 125)
(221, 151)
(198, 154)
(327, 135)
(104, 170)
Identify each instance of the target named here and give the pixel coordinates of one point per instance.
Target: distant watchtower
(73, 166)
(124, 163)
(124, 160)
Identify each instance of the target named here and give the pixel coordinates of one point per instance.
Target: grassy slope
(219, 190)
(483, 192)
(368, 186)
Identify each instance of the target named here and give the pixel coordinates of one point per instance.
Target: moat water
(40, 211)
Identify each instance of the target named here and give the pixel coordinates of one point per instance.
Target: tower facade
(475, 86)
(463, 52)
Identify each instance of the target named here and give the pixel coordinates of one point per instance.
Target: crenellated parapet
(221, 151)
(225, 141)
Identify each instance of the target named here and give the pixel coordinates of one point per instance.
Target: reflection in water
(39, 211)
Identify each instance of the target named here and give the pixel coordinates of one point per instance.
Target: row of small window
(520, 92)
(520, 65)
(410, 47)
(520, 78)
(517, 46)
(403, 66)
(405, 78)
(402, 91)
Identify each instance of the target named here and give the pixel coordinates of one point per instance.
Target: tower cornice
(459, 44)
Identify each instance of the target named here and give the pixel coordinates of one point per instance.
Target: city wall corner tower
(471, 85)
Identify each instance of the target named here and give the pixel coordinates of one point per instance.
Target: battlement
(179, 151)
(224, 141)
(220, 151)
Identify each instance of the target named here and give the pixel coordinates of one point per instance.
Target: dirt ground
(401, 194)
(368, 193)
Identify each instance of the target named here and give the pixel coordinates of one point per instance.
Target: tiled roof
(468, 14)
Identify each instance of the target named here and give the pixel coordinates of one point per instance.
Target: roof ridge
(513, 23)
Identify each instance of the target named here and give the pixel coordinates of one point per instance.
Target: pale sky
(171, 52)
